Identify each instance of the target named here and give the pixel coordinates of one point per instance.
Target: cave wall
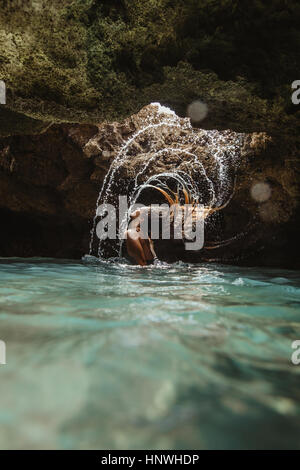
(90, 61)
(49, 184)
(70, 65)
(46, 195)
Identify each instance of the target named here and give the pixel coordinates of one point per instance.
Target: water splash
(122, 155)
(204, 161)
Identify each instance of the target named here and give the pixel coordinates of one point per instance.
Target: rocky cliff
(76, 70)
(90, 61)
(50, 183)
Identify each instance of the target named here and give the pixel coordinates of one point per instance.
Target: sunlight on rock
(163, 109)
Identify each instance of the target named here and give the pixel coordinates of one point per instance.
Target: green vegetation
(86, 60)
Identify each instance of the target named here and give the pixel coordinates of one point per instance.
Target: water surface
(108, 356)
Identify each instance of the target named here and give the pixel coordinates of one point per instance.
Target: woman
(138, 243)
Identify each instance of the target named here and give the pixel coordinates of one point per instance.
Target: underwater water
(108, 356)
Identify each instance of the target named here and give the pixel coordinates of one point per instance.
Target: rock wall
(90, 61)
(69, 65)
(49, 184)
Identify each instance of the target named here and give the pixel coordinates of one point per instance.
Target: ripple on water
(109, 355)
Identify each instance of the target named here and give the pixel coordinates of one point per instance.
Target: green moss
(85, 60)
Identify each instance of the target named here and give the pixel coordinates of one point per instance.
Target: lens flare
(261, 192)
(197, 111)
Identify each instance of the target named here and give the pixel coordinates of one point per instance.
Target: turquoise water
(107, 355)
